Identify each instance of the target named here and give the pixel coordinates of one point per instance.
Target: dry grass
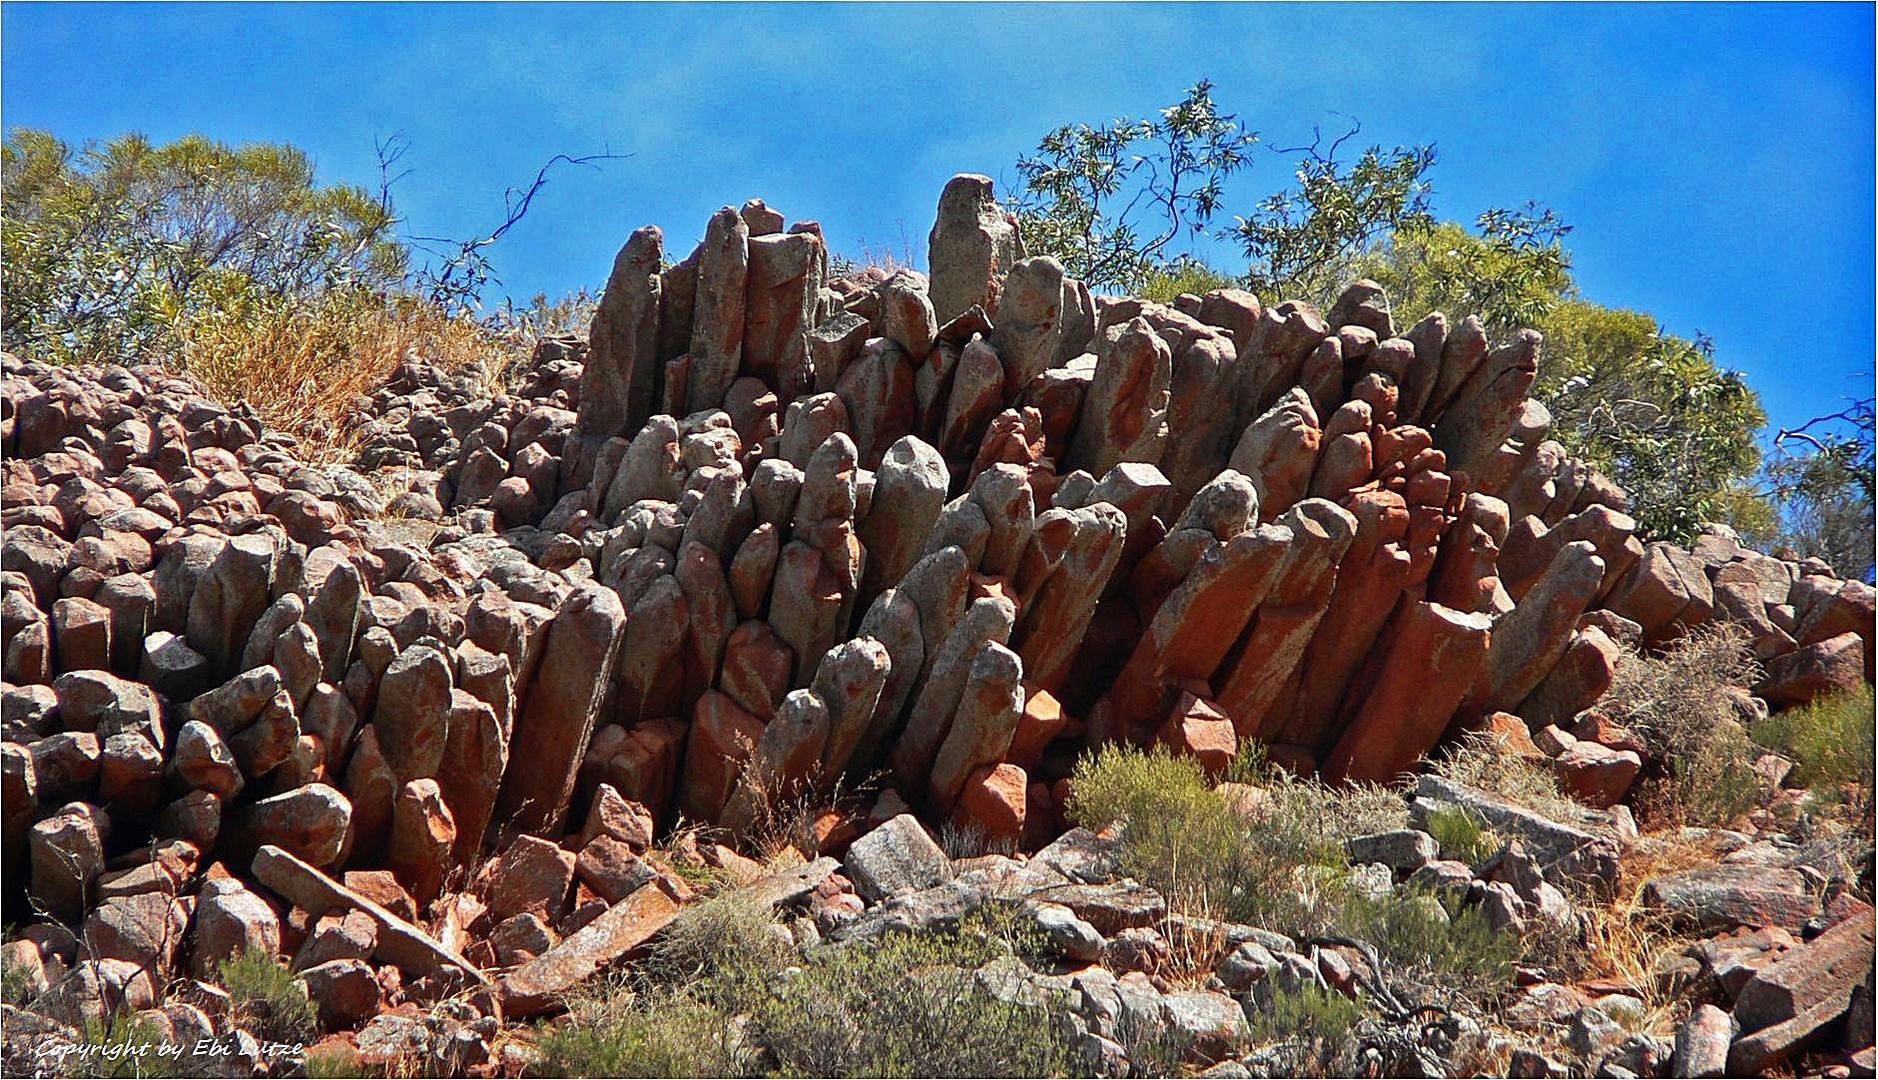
(1630, 943)
(1682, 703)
(1479, 761)
(300, 366)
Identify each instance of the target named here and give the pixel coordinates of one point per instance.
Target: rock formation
(767, 533)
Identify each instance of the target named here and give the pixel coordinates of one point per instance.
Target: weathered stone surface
(1724, 897)
(619, 384)
(1124, 414)
(973, 246)
(309, 822)
(230, 921)
(980, 732)
(413, 713)
(542, 984)
(558, 715)
(909, 492)
(1788, 1003)
(895, 859)
(1528, 641)
(1029, 329)
(1834, 665)
(1071, 555)
(1565, 852)
(1434, 653)
(716, 337)
(785, 276)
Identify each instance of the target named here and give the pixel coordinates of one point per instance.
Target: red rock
(1597, 775)
(723, 736)
(1042, 720)
(382, 888)
(422, 836)
(994, 800)
(1434, 655)
(560, 708)
(1834, 665)
(399, 942)
(610, 868)
(1511, 733)
(1598, 727)
(532, 875)
(1791, 1002)
(757, 667)
(1196, 728)
(612, 814)
(543, 983)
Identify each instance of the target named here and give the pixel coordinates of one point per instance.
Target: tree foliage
(1817, 485)
(106, 246)
(1299, 241)
(1653, 410)
(1108, 200)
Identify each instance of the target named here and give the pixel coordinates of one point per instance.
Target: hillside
(897, 673)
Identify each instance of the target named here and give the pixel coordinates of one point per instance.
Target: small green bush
(1830, 740)
(662, 1033)
(1461, 834)
(15, 985)
(1186, 275)
(905, 1005)
(1307, 1027)
(125, 1046)
(722, 937)
(267, 999)
(1431, 945)
(910, 1005)
(1308, 1012)
(1180, 836)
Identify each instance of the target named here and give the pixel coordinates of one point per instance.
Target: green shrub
(1306, 1028)
(660, 1033)
(1431, 945)
(15, 985)
(1187, 275)
(1829, 740)
(1460, 834)
(905, 1005)
(1309, 1012)
(125, 1046)
(909, 1005)
(1284, 868)
(267, 999)
(721, 938)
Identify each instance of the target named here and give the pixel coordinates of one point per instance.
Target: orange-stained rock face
(1196, 728)
(994, 801)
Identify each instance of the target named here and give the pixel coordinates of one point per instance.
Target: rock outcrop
(767, 534)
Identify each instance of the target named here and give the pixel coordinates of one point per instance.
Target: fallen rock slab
(1724, 897)
(399, 942)
(1791, 1002)
(543, 983)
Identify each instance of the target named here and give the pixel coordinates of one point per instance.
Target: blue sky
(1717, 162)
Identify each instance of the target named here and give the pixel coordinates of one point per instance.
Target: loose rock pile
(766, 536)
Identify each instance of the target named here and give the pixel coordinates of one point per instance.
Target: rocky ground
(780, 580)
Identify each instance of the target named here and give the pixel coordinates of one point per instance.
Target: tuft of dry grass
(301, 365)
(1683, 704)
(1626, 941)
(1479, 761)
